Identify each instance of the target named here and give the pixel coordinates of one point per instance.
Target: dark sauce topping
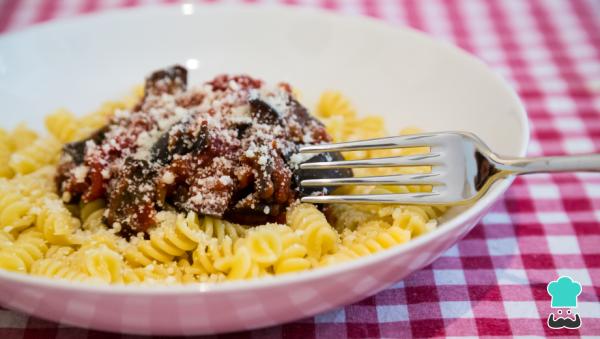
(132, 198)
(171, 80)
(226, 149)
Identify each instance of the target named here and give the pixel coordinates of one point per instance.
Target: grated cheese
(168, 178)
(80, 173)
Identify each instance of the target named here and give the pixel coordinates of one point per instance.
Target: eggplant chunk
(182, 138)
(301, 113)
(302, 174)
(132, 198)
(263, 112)
(160, 149)
(169, 80)
(76, 149)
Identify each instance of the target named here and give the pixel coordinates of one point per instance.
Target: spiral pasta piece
(265, 244)
(318, 236)
(29, 247)
(240, 266)
(384, 234)
(185, 233)
(235, 262)
(144, 253)
(294, 255)
(372, 237)
(21, 137)
(219, 228)
(413, 219)
(93, 262)
(173, 239)
(15, 211)
(277, 248)
(103, 264)
(332, 103)
(40, 153)
(63, 125)
(210, 251)
(59, 269)
(56, 222)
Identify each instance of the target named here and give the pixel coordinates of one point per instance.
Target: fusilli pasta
(219, 228)
(372, 237)
(334, 103)
(21, 137)
(58, 268)
(31, 158)
(55, 222)
(24, 252)
(104, 264)
(42, 236)
(233, 261)
(278, 249)
(15, 211)
(317, 235)
(63, 125)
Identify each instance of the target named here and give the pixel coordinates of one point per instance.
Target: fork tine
(413, 140)
(403, 198)
(410, 160)
(401, 179)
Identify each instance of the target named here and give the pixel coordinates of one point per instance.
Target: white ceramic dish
(403, 75)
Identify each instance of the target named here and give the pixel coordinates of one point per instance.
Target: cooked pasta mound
(173, 186)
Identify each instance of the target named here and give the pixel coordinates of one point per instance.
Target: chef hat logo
(564, 292)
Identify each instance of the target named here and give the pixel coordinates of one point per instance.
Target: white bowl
(403, 75)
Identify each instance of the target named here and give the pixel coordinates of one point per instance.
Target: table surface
(493, 282)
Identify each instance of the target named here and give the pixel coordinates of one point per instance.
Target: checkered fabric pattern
(493, 282)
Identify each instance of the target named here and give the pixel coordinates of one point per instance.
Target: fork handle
(571, 163)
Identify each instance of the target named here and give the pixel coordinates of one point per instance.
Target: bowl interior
(402, 75)
(410, 80)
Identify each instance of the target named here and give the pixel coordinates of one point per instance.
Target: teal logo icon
(564, 292)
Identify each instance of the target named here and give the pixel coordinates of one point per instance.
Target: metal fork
(463, 168)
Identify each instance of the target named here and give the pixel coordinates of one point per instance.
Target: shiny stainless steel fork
(463, 168)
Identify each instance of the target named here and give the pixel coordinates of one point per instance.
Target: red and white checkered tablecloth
(493, 283)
